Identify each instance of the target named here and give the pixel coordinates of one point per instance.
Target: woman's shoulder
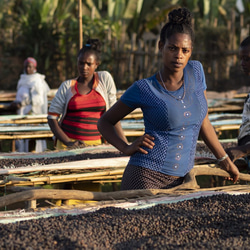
(105, 79)
(148, 81)
(39, 75)
(68, 82)
(35, 78)
(195, 67)
(194, 63)
(104, 74)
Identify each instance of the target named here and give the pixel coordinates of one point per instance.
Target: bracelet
(222, 158)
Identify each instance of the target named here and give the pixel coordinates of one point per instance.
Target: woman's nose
(85, 65)
(242, 62)
(179, 53)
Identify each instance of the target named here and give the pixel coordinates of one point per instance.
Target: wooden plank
(134, 132)
(242, 95)
(189, 184)
(134, 116)
(225, 109)
(31, 204)
(227, 127)
(109, 174)
(44, 180)
(32, 135)
(25, 121)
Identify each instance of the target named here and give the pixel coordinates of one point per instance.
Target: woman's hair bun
(180, 16)
(94, 44)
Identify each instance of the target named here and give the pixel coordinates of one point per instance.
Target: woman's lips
(177, 64)
(244, 69)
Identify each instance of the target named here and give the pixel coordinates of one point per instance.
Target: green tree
(49, 29)
(45, 31)
(129, 16)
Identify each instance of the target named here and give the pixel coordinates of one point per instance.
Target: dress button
(187, 114)
(177, 157)
(176, 166)
(181, 137)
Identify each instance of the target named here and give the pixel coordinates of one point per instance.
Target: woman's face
(30, 68)
(176, 52)
(86, 64)
(245, 60)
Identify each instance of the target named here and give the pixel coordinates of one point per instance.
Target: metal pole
(80, 22)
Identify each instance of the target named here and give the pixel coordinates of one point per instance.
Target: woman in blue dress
(174, 106)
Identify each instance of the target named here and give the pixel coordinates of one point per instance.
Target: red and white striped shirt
(82, 116)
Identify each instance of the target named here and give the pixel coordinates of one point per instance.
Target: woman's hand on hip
(142, 141)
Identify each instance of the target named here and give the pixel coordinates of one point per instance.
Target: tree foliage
(49, 29)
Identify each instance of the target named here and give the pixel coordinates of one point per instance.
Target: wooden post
(31, 204)
(233, 32)
(241, 26)
(13, 143)
(80, 22)
(132, 57)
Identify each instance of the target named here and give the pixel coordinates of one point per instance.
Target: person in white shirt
(31, 98)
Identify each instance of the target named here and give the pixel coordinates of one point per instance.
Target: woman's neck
(85, 85)
(172, 81)
(85, 81)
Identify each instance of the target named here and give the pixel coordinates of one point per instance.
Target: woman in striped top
(80, 102)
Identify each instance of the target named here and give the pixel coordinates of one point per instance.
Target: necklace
(184, 89)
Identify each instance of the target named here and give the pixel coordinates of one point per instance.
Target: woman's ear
(160, 45)
(97, 64)
(191, 53)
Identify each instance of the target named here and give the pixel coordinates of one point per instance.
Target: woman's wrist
(66, 142)
(224, 161)
(124, 147)
(223, 158)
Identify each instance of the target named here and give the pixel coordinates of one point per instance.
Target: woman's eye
(246, 58)
(83, 63)
(171, 48)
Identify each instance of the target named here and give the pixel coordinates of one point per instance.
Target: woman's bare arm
(209, 136)
(106, 126)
